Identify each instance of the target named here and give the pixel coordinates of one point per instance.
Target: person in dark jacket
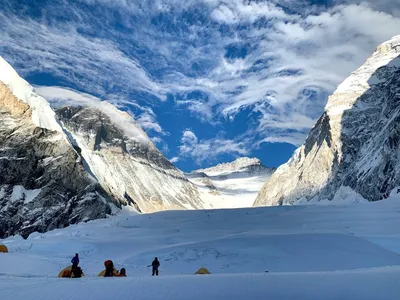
(122, 273)
(155, 264)
(75, 262)
(109, 268)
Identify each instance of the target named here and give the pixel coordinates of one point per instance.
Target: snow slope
(311, 252)
(124, 160)
(231, 185)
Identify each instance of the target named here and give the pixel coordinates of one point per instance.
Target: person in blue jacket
(75, 262)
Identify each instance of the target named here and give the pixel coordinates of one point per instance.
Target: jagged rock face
(42, 182)
(130, 169)
(354, 145)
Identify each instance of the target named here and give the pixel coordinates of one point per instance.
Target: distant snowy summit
(242, 164)
(352, 152)
(77, 164)
(231, 185)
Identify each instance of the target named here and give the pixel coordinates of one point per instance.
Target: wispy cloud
(279, 59)
(93, 64)
(209, 149)
(174, 159)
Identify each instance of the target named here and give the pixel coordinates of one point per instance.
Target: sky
(208, 80)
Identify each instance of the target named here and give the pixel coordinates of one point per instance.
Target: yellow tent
(101, 274)
(3, 248)
(66, 273)
(202, 271)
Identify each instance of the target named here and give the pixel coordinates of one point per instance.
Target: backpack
(122, 272)
(77, 273)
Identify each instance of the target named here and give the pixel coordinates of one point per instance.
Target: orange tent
(3, 248)
(65, 273)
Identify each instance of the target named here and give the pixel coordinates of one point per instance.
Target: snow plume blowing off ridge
(60, 97)
(352, 151)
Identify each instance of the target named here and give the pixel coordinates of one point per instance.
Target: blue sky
(208, 80)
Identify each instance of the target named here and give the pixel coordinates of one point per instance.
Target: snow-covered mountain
(59, 169)
(233, 184)
(42, 182)
(353, 151)
(126, 163)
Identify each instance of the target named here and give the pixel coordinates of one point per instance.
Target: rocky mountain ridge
(42, 182)
(131, 169)
(78, 165)
(353, 150)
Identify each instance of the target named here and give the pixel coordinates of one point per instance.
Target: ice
(310, 252)
(235, 184)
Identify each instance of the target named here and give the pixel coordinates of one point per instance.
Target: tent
(101, 274)
(3, 248)
(202, 271)
(66, 273)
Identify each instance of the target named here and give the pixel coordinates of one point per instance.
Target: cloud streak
(278, 59)
(209, 149)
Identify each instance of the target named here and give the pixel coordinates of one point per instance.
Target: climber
(75, 262)
(122, 273)
(109, 268)
(155, 264)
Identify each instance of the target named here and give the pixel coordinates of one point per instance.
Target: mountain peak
(353, 148)
(240, 164)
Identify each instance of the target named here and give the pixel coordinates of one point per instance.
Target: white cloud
(174, 159)
(292, 60)
(148, 122)
(90, 63)
(209, 149)
(236, 11)
(198, 108)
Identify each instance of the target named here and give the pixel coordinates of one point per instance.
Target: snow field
(310, 252)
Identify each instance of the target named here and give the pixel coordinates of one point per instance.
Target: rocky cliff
(124, 160)
(353, 150)
(79, 164)
(43, 184)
